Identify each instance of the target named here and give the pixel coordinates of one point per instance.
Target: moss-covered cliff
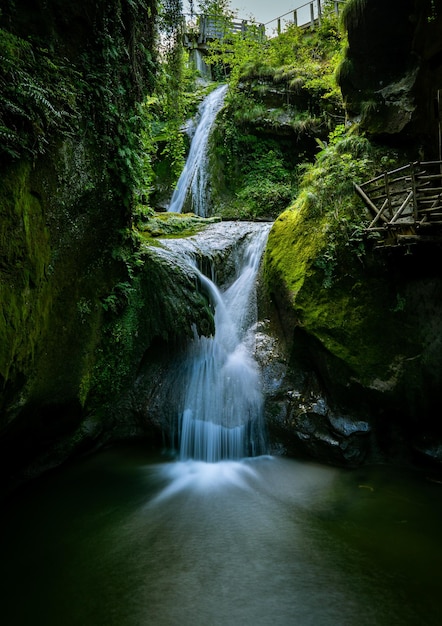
(364, 321)
(79, 302)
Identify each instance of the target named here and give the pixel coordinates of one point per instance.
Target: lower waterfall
(221, 403)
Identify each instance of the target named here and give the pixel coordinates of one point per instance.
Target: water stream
(193, 180)
(218, 390)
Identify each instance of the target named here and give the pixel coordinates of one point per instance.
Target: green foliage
(217, 8)
(38, 97)
(327, 197)
(318, 259)
(234, 52)
(259, 169)
(282, 94)
(301, 60)
(117, 76)
(267, 183)
(346, 159)
(170, 85)
(45, 97)
(400, 305)
(344, 69)
(118, 298)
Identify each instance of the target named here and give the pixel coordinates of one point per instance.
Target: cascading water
(193, 178)
(221, 412)
(223, 404)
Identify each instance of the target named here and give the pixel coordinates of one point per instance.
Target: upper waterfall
(193, 178)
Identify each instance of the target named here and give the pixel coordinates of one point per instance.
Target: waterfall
(198, 62)
(222, 404)
(193, 178)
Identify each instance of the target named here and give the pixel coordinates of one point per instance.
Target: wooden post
(295, 17)
(414, 191)
(387, 192)
(319, 12)
(279, 25)
(439, 120)
(312, 16)
(336, 7)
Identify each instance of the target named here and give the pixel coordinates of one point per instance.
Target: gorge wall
(79, 302)
(391, 76)
(364, 321)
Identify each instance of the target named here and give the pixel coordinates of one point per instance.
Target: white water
(221, 413)
(193, 179)
(222, 404)
(199, 64)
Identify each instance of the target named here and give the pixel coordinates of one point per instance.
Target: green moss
(291, 251)
(24, 297)
(353, 13)
(318, 264)
(252, 161)
(161, 302)
(172, 224)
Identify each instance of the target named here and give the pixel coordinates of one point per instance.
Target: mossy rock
(368, 328)
(24, 299)
(172, 224)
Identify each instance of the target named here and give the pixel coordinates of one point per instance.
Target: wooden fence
(406, 203)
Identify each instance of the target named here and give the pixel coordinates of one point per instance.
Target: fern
(36, 95)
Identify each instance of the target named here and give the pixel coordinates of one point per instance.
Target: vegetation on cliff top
(282, 96)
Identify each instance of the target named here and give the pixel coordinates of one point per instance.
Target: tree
(218, 8)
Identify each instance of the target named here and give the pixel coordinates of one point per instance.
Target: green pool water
(126, 539)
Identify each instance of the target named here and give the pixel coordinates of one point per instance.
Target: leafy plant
(38, 97)
(327, 198)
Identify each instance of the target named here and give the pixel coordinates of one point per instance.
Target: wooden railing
(405, 201)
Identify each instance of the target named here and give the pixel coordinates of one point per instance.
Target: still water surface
(121, 539)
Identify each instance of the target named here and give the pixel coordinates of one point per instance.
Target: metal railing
(205, 28)
(304, 16)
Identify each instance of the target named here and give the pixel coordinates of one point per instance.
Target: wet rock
(299, 419)
(429, 449)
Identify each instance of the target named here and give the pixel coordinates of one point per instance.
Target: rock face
(298, 417)
(361, 365)
(364, 346)
(80, 304)
(392, 75)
